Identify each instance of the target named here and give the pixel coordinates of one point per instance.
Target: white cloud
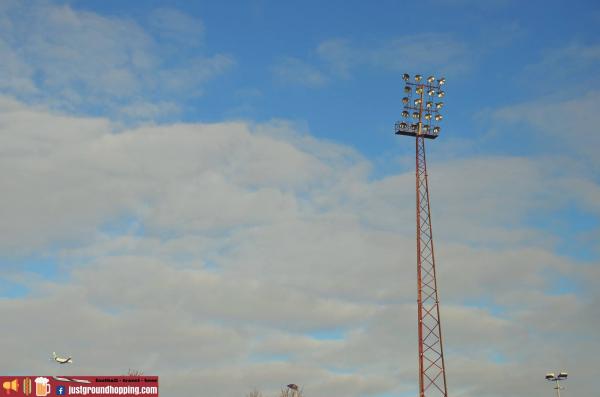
(210, 253)
(189, 78)
(77, 164)
(569, 123)
(239, 241)
(295, 71)
(429, 51)
(425, 52)
(340, 55)
(15, 75)
(178, 26)
(78, 60)
(340, 58)
(574, 77)
(149, 110)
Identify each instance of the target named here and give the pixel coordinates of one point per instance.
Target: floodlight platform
(414, 133)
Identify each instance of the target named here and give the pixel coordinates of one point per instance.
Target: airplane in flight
(61, 360)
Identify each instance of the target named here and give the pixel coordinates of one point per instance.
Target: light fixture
(551, 377)
(420, 109)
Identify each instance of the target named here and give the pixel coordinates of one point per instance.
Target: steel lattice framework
(432, 372)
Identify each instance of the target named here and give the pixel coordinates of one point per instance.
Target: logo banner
(105, 386)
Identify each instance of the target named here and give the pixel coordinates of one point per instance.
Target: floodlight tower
(551, 377)
(425, 112)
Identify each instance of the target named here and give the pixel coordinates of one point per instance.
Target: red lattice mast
(425, 112)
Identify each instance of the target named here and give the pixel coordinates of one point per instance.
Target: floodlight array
(552, 377)
(419, 105)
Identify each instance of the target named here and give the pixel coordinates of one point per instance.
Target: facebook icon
(60, 390)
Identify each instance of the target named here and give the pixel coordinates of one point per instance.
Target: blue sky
(495, 46)
(228, 171)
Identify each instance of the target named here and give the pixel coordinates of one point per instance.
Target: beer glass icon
(42, 387)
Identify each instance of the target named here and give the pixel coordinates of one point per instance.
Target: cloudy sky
(213, 193)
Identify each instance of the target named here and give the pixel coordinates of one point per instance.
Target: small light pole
(551, 377)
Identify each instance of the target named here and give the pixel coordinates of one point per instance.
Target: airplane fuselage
(61, 360)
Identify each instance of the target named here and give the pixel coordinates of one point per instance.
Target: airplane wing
(71, 380)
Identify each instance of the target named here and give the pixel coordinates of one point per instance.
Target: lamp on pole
(551, 377)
